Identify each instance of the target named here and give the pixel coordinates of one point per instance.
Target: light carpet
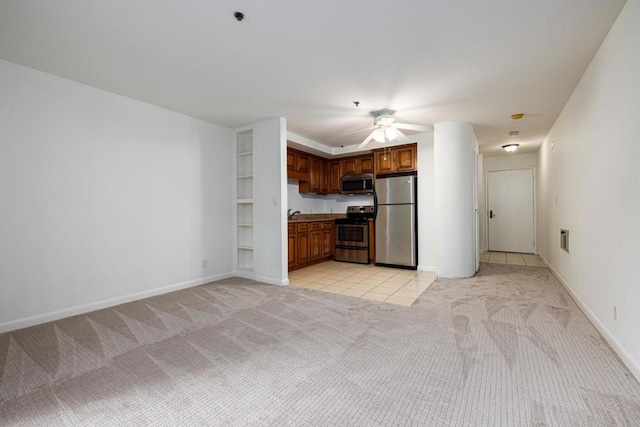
(508, 347)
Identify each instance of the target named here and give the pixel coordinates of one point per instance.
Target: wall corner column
(454, 160)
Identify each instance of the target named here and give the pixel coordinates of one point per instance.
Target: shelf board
(244, 201)
(245, 248)
(245, 153)
(244, 176)
(245, 225)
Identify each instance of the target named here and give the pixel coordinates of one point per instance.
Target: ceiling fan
(386, 129)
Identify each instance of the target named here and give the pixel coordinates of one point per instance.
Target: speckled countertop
(316, 217)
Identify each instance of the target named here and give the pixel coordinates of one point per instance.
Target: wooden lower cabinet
(292, 245)
(309, 243)
(327, 239)
(303, 255)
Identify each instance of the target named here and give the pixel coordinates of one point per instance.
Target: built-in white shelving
(244, 199)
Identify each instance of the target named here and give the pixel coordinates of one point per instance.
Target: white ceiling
(432, 61)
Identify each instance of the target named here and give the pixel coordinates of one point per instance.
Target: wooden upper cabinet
(298, 164)
(322, 176)
(291, 160)
(357, 165)
(406, 158)
(384, 161)
(317, 182)
(349, 166)
(366, 164)
(316, 175)
(302, 163)
(335, 174)
(402, 158)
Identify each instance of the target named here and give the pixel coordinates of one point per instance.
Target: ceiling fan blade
(401, 137)
(366, 141)
(407, 126)
(359, 130)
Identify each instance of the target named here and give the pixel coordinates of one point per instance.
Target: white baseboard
(626, 358)
(427, 268)
(271, 281)
(80, 309)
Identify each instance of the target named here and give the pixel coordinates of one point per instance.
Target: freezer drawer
(396, 235)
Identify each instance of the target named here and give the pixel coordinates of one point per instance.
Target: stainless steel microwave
(357, 184)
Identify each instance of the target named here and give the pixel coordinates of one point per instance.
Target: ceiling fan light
(391, 133)
(510, 148)
(378, 135)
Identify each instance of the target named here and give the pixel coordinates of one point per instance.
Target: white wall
(270, 201)
(305, 203)
(589, 183)
(103, 198)
(500, 163)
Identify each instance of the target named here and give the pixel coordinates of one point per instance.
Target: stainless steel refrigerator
(396, 221)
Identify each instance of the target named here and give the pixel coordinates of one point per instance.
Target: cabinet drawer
(304, 227)
(291, 228)
(327, 225)
(315, 226)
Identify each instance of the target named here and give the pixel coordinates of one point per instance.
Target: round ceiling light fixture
(517, 116)
(510, 148)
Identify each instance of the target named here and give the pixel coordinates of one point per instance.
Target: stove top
(360, 213)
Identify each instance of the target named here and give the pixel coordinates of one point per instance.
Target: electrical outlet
(204, 263)
(615, 312)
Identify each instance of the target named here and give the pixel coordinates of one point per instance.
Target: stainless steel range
(352, 235)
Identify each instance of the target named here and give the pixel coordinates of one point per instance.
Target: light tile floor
(512, 258)
(392, 285)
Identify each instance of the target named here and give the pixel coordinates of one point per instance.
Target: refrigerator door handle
(375, 204)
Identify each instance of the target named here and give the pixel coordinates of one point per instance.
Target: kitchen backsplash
(311, 203)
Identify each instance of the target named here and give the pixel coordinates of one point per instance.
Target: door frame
(535, 203)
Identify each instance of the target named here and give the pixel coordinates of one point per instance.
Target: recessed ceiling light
(514, 133)
(510, 148)
(517, 116)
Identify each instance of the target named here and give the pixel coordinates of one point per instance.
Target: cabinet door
(302, 163)
(315, 245)
(324, 177)
(335, 173)
(291, 160)
(366, 164)
(292, 249)
(327, 247)
(405, 158)
(384, 161)
(303, 247)
(349, 166)
(315, 175)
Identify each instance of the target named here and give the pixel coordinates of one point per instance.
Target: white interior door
(510, 211)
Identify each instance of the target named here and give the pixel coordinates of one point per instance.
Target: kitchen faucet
(292, 214)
